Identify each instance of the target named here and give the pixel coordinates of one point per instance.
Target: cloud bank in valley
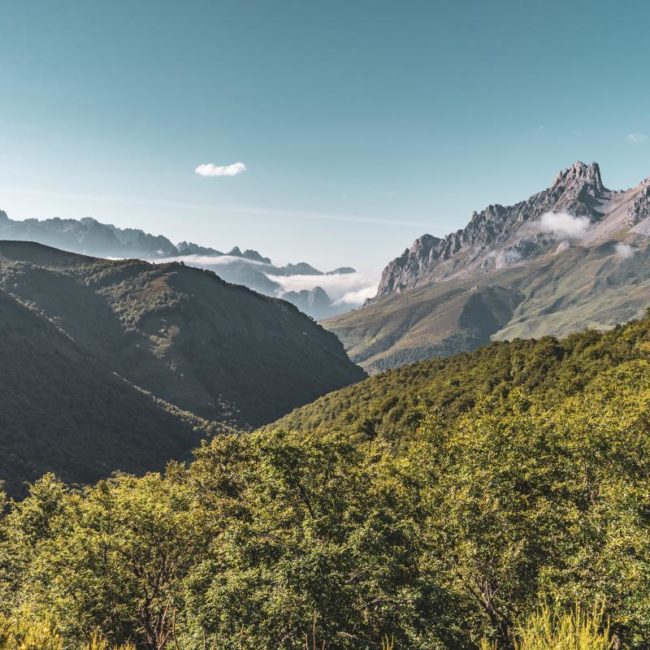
(562, 225)
(210, 169)
(343, 289)
(207, 261)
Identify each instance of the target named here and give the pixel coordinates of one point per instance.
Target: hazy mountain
(89, 349)
(250, 268)
(314, 301)
(575, 255)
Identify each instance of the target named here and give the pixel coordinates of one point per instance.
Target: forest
(482, 501)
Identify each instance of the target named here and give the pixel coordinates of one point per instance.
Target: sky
(327, 131)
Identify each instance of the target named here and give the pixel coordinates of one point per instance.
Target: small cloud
(210, 169)
(562, 225)
(635, 138)
(357, 298)
(624, 250)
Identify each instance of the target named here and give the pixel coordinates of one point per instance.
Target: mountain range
(124, 364)
(573, 256)
(249, 268)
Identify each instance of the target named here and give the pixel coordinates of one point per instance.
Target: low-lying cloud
(624, 250)
(210, 169)
(562, 225)
(343, 289)
(357, 298)
(207, 261)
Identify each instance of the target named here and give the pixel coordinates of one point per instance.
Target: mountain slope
(61, 410)
(396, 403)
(218, 350)
(575, 255)
(94, 330)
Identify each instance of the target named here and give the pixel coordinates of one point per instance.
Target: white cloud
(210, 169)
(635, 138)
(562, 225)
(624, 250)
(357, 298)
(349, 289)
(345, 288)
(207, 261)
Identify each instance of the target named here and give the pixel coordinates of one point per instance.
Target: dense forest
(463, 503)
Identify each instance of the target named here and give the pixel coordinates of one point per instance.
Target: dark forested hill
(76, 331)
(63, 410)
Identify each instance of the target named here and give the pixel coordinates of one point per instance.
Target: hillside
(430, 507)
(575, 255)
(393, 404)
(94, 327)
(62, 410)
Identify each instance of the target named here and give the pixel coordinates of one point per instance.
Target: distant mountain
(90, 237)
(314, 301)
(87, 236)
(125, 364)
(575, 255)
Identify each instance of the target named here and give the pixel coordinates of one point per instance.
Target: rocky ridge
(497, 236)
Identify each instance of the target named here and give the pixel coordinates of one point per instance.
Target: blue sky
(362, 123)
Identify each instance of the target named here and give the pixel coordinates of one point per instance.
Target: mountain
(87, 236)
(314, 301)
(90, 237)
(575, 255)
(99, 353)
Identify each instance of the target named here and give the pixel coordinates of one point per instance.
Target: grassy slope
(555, 295)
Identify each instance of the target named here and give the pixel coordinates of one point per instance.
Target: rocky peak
(579, 175)
(255, 256)
(498, 234)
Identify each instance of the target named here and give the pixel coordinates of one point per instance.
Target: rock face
(498, 235)
(572, 256)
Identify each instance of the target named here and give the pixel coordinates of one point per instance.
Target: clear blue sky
(362, 123)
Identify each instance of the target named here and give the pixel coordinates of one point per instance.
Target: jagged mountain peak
(579, 175)
(571, 256)
(500, 235)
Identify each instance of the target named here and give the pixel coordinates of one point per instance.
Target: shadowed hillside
(220, 351)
